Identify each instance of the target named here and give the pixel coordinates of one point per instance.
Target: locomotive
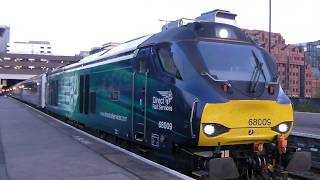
(201, 91)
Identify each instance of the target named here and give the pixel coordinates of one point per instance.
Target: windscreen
(233, 61)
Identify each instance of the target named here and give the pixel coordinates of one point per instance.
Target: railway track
(310, 143)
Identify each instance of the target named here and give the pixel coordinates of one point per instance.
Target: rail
(310, 143)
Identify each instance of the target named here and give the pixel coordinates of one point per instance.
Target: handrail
(132, 103)
(145, 104)
(274, 82)
(195, 101)
(214, 79)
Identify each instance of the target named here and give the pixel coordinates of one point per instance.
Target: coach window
(166, 60)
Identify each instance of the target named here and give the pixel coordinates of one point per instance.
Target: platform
(34, 146)
(307, 124)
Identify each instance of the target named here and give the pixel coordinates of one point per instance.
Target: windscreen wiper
(256, 74)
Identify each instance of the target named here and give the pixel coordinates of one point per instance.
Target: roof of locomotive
(117, 51)
(191, 31)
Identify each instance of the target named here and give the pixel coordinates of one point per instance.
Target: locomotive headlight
(209, 129)
(223, 33)
(283, 127)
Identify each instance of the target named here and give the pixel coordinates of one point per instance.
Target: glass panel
(166, 60)
(231, 61)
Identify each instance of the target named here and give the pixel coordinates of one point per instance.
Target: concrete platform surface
(307, 124)
(36, 147)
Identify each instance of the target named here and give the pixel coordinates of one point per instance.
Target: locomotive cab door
(140, 76)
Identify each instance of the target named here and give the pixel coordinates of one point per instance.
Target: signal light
(225, 87)
(271, 89)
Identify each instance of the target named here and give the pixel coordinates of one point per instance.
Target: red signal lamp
(271, 89)
(226, 87)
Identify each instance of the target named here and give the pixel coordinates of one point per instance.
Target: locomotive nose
(244, 122)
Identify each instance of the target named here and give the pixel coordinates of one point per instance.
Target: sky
(74, 25)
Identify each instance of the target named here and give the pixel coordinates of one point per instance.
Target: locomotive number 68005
(259, 122)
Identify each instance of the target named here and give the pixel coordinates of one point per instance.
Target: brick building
(295, 73)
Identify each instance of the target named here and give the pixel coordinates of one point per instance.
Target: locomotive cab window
(165, 56)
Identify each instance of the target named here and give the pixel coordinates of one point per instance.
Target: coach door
(140, 76)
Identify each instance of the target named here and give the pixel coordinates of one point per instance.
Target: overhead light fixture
(6, 66)
(6, 58)
(17, 67)
(31, 59)
(31, 67)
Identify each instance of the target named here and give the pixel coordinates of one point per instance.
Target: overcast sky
(77, 25)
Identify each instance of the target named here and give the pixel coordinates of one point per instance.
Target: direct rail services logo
(163, 103)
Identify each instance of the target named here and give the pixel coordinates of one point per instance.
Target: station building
(16, 67)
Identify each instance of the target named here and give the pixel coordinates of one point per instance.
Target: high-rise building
(313, 53)
(316, 82)
(4, 38)
(31, 47)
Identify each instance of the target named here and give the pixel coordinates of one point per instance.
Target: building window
(48, 51)
(41, 47)
(41, 51)
(49, 47)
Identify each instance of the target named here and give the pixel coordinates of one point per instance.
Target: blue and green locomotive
(203, 89)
